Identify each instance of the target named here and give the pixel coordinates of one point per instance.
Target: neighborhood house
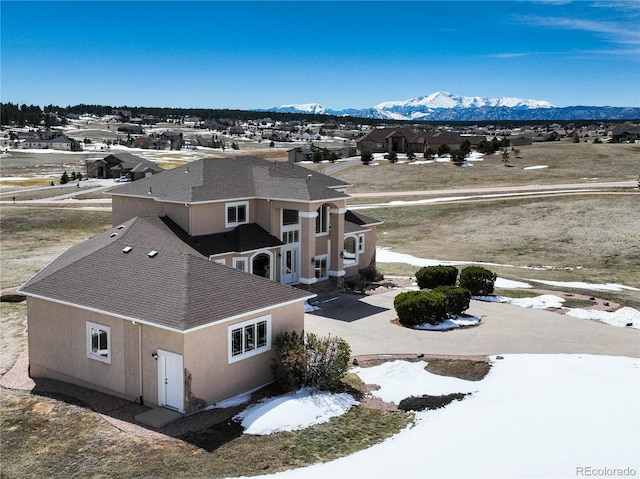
(177, 304)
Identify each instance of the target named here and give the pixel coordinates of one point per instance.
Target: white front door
(170, 380)
(290, 265)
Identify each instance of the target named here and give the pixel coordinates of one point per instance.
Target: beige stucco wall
(124, 208)
(58, 347)
(153, 339)
(179, 213)
(206, 356)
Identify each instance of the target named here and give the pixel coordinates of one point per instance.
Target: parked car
(123, 179)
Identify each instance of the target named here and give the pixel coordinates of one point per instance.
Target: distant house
(302, 153)
(175, 139)
(131, 129)
(403, 140)
(121, 164)
(624, 133)
(62, 143)
(236, 130)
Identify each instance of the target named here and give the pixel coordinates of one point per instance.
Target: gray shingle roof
(216, 179)
(178, 288)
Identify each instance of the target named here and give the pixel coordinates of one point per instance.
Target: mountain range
(445, 106)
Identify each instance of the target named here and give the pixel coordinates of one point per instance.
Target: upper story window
(237, 214)
(322, 220)
(289, 217)
(240, 264)
(99, 342)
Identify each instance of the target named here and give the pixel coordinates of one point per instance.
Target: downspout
(140, 362)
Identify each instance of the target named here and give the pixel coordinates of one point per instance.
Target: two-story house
(276, 220)
(177, 305)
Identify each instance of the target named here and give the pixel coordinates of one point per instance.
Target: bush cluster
(317, 362)
(433, 276)
(445, 298)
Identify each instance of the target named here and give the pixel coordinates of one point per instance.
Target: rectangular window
(320, 265)
(322, 220)
(240, 264)
(237, 214)
(99, 342)
(249, 338)
(289, 217)
(291, 236)
(360, 243)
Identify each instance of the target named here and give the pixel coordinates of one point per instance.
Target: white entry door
(170, 380)
(290, 265)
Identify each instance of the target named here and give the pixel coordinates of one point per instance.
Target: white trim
(162, 373)
(235, 204)
(90, 354)
(361, 244)
(307, 214)
(239, 259)
(308, 280)
(321, 257)
(222, 200)
(271, 261)
(337, 274)
(256, 350)
(167, 328)
(338, 211)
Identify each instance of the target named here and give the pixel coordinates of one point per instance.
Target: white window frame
(237, 261)
(247, 350)
(355, 260)
(228, 206)
(360, 244)
(91, 328)
(322, 220)
(318, 259)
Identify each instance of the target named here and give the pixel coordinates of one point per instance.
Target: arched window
(261, 265)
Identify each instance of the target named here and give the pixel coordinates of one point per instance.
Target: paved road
(500, 189)
(364, 322)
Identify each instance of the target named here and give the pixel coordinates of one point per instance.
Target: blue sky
(245, 55)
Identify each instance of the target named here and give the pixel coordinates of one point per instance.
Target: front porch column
(336, 235)
(308, 246)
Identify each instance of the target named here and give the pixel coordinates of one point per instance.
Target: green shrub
(478, 280)
(419, 307)
(433, 276)
(458, 298)
(311, 361)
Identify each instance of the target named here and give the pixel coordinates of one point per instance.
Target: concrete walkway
(365, 323)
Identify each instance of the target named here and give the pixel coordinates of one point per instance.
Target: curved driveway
(365, 323)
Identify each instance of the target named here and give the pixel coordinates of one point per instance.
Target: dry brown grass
(567, 163)
(595, 239)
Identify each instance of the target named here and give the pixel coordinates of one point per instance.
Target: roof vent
(126, 249)
(113, 235)
(120, 227)
(149, 192)
(152, 254)
(187, 170)
(309, 177)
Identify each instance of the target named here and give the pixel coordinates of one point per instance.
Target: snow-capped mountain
(443, 99)
(445, 106)
(313, 108)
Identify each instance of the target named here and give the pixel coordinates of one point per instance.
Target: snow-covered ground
(532, 416)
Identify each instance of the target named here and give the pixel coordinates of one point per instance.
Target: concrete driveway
(365, 323)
